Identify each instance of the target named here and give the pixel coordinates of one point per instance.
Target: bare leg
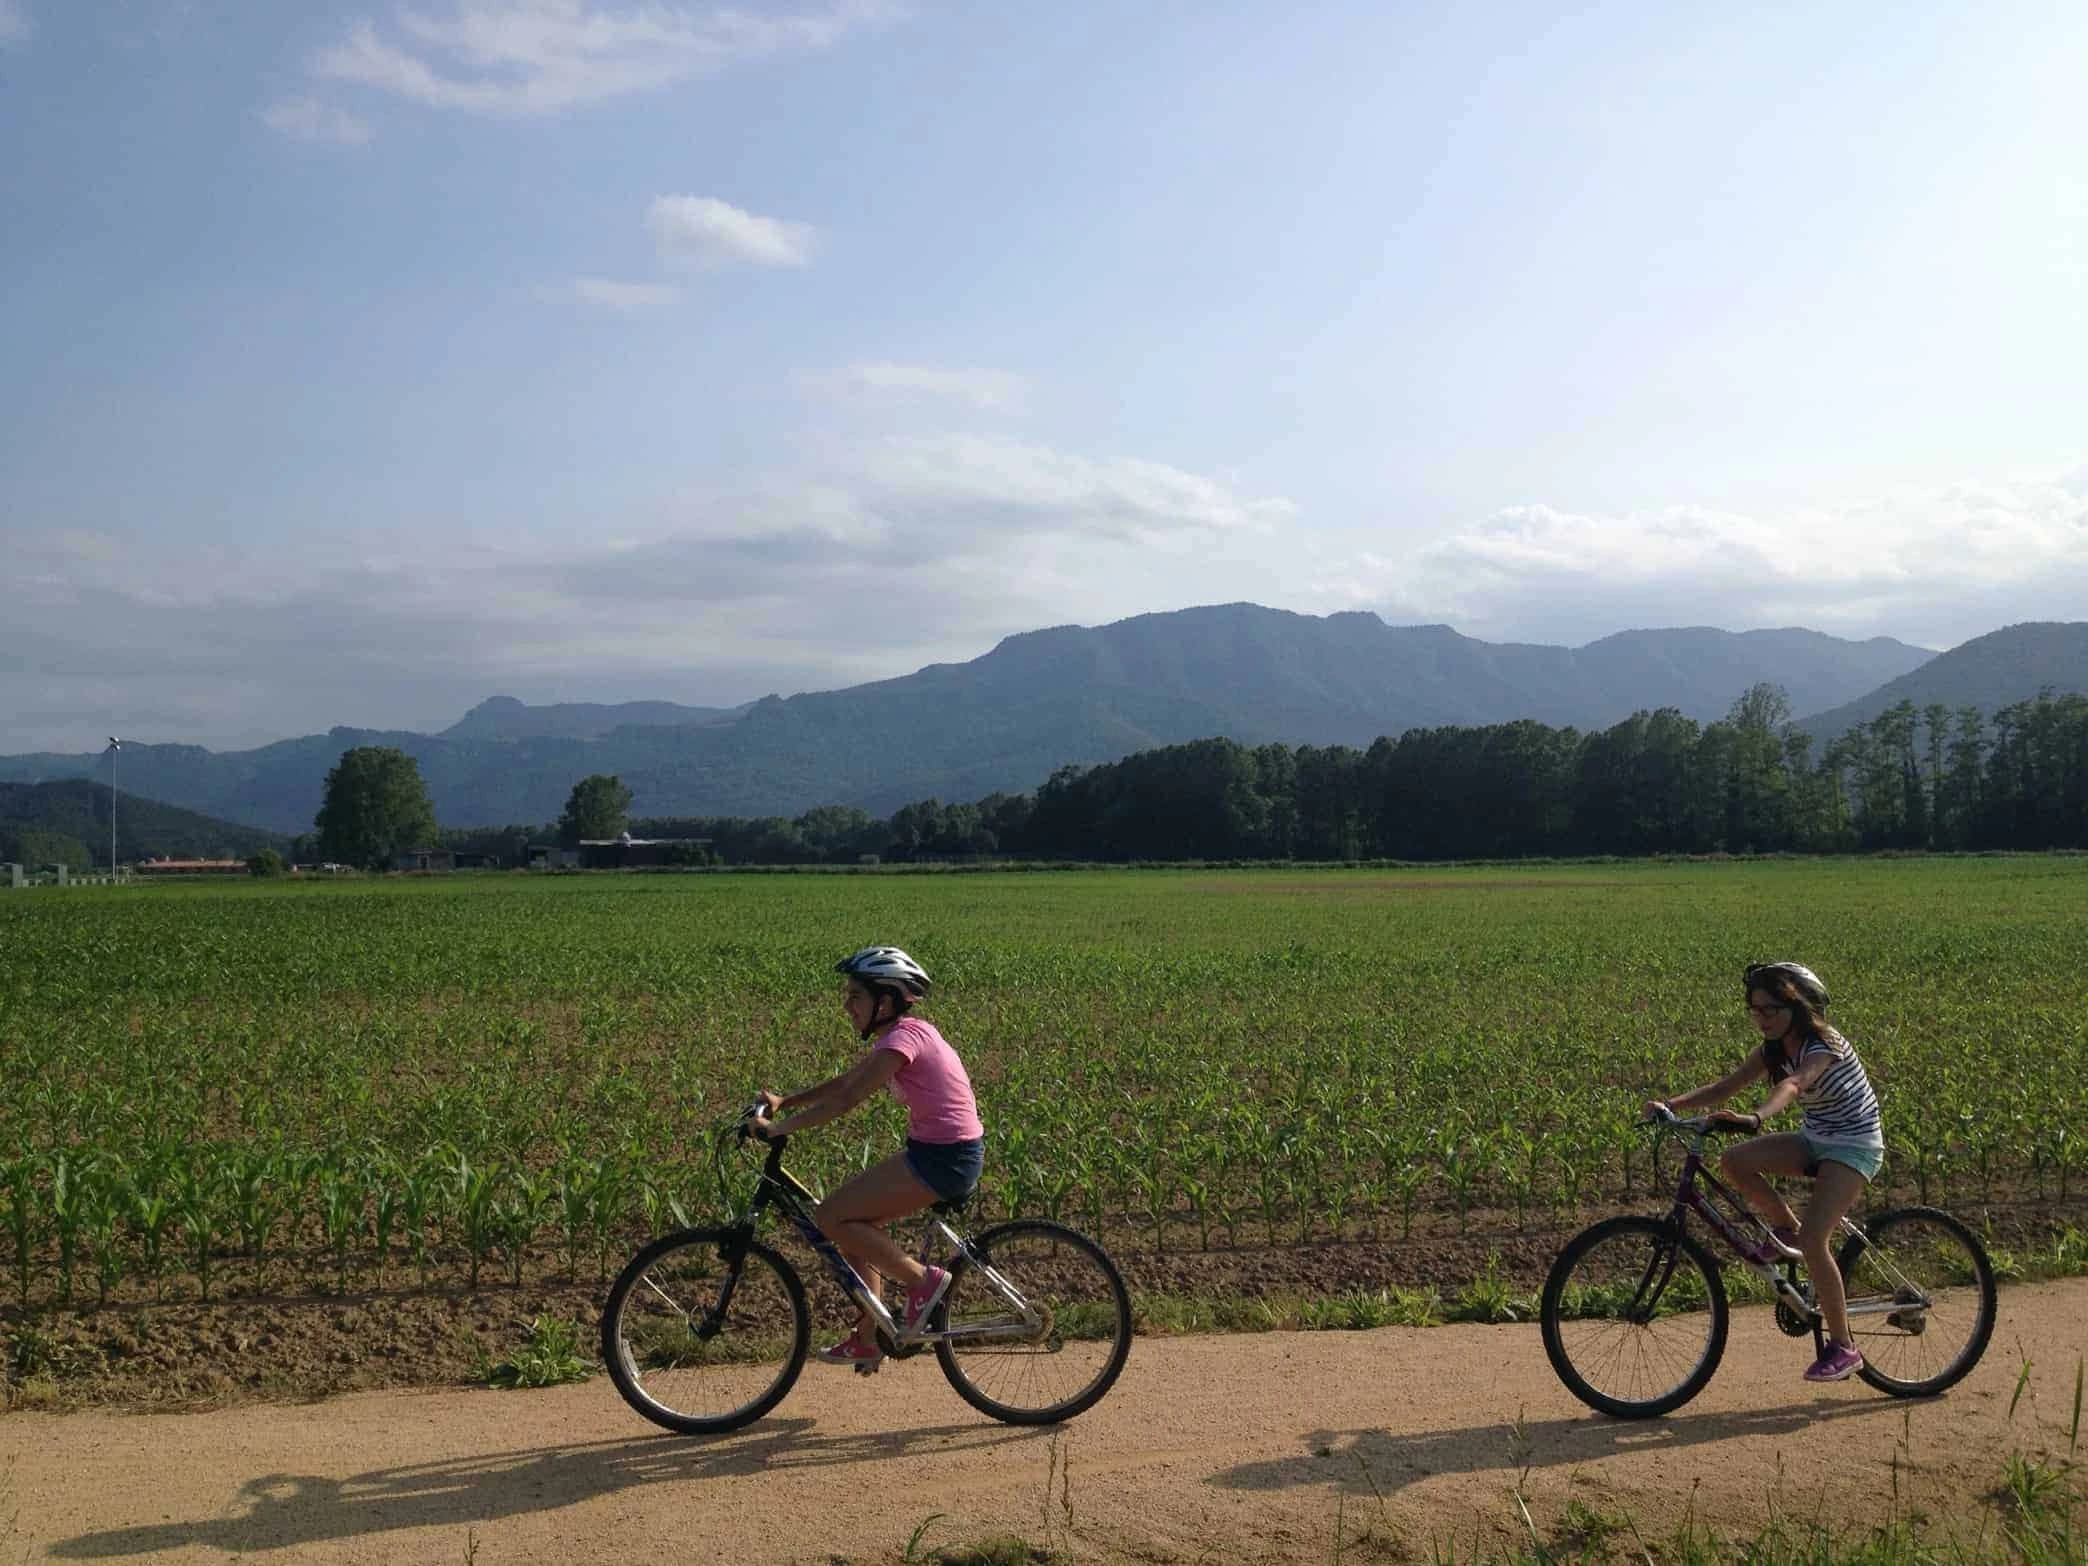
(1746, 1163)
(1836, 1189)
(854, 1217)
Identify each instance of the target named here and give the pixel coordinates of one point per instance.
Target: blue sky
(366, 361)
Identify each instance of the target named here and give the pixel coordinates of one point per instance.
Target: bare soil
(255, 1341)
(1397, 1443)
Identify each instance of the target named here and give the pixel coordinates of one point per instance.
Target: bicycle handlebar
(1663, 1118)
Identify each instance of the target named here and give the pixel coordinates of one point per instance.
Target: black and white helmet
(885, 965)
(1807, 982)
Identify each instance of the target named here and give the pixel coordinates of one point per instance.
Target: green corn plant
(197, 1194)
(420, 1188)
(342, 1210)
(517, 1215)
(102, 1211)
(608, 1192)
(18, 1211)
(256, 1200)
(63, 1203)
(151, 1214)
(474, 1192)
(380, 1178)
(573, 1196)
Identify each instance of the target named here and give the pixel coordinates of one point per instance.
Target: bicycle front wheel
(1039, 1328)
(1634, 1317)
(1921, 1300)
(705, 1330)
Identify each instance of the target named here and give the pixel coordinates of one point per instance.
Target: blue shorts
(1866, 1161)
(949, 1169)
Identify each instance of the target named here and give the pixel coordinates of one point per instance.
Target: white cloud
(706, 231)
(307, 119)
(983, 482)
(524, 57)
(991, 391)
(625, 298)
(15, 26)
(887, 556)
(1934, 567)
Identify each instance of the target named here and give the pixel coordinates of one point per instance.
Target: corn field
(386, 1083)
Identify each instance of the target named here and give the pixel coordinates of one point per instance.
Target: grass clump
(548, 1356)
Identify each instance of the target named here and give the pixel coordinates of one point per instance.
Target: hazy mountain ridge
(1989, 672)
(78, 808)
(505, 718)
(1005, 720)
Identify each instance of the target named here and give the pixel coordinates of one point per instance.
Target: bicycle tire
(671, 1371)
(1644, 1252)
(1084, 1338)
(1935, 1256)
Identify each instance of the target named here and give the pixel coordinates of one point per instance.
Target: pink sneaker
(1838, 1363)
(851, 1350)
(923, 1297)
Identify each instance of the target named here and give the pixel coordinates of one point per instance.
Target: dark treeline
(1928, 778)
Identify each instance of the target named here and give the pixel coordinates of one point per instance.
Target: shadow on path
(285, 1510)
(1368, 1462)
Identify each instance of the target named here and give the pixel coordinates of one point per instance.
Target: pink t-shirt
(932, 1084)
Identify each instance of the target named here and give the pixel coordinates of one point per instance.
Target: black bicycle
(1634, 1312)
(706, 1329)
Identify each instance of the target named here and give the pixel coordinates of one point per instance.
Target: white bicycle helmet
(886, 965)
(1804, 978)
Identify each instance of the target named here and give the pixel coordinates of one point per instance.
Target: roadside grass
(1488, 1298)
(2037, 1515)
(548, 1356)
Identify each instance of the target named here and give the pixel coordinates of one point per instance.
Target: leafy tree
(375, 806)
(599, 807)
(37, 849)
(266, 863)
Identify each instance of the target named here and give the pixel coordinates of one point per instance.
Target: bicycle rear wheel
(1921, 1300)
(1040, 1330)
(705, 1330)
(1634, 1317)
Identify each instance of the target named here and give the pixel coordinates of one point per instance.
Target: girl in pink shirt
(944, 1141)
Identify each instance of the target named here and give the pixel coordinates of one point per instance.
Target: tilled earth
(251, 1343)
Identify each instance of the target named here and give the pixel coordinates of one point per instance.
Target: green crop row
(350, 1082)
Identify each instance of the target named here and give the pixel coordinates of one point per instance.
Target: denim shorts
(1866, 1161)
(949, 1169)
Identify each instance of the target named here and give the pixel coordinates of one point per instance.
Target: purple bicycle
(1635, 1314)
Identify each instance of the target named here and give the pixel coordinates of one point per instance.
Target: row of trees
(376, 807)
(1659, 782)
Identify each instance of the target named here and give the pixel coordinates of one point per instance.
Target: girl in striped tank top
(1840, 1144)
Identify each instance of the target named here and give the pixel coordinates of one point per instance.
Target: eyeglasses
(1765, 1011)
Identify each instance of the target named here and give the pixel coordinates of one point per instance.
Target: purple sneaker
(1780, 1246)
(923, 1297)
(1838, 1363)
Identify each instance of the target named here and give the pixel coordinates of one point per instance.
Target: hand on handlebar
(1735, 1120)
(758, 1119)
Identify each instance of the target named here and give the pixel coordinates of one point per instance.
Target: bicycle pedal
(870, 1369)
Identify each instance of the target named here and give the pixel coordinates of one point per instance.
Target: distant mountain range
(1989, 672)
(1005, 720)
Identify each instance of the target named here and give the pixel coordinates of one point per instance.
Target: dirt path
(1222, 1447)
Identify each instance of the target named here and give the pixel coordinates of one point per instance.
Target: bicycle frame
(1691, 1197)
(782, 1190)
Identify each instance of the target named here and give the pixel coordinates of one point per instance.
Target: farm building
(620, 853)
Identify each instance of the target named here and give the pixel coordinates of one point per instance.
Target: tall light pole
(115, 745)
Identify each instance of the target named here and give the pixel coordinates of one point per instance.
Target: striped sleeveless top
(1840, 1107)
